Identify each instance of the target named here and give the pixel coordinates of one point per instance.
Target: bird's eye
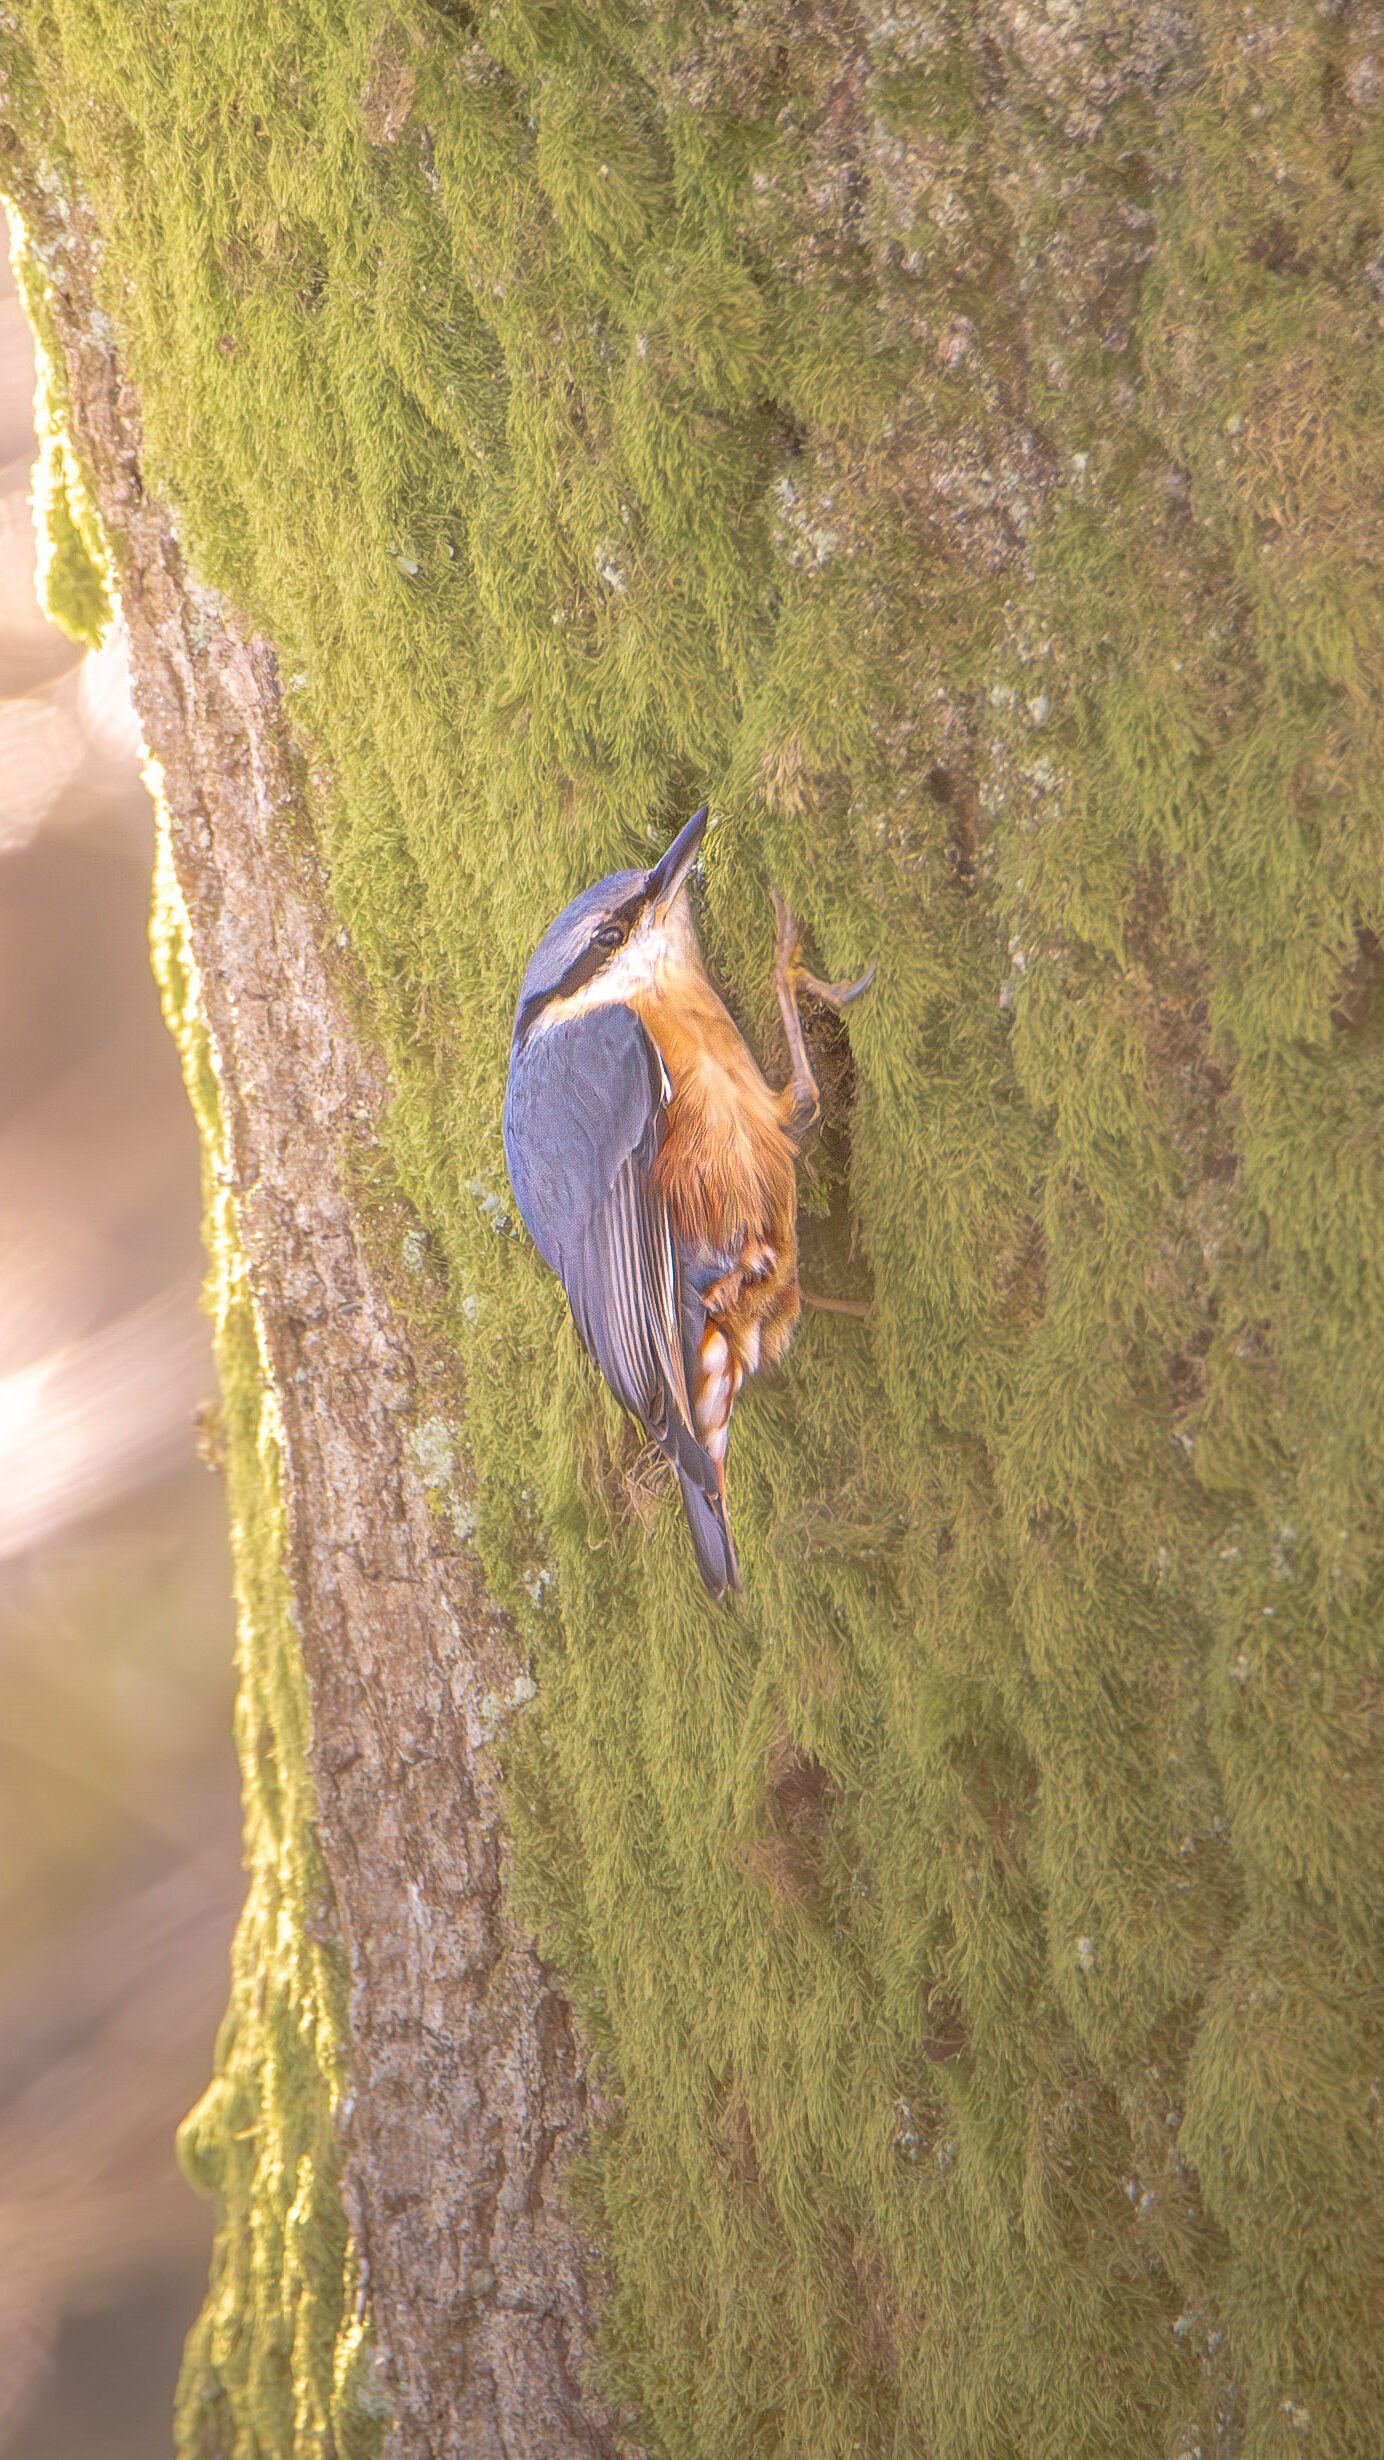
(610, 935)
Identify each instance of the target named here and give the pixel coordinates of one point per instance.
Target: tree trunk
(954, 444)
(374, 1824)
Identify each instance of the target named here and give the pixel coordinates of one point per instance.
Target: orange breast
(726, 1163)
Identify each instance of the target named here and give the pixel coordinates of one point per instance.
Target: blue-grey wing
(583, 1125)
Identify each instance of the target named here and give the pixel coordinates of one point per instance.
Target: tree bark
(467, 2091)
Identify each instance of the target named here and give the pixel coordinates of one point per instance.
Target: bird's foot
(800, 1101)
(838, 995)
(725, 1293)
(755, 1263)
(787, 936)
(835, 1306)
(792, 975)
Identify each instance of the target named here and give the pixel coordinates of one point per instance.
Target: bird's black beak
(668, 874)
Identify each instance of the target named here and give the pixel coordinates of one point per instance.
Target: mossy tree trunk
(381, 2001)
(951, 437)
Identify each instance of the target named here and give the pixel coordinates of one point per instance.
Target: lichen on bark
(948, 438)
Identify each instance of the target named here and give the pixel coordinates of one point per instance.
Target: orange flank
(727, 1169)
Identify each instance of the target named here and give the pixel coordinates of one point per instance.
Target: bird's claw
(837, 995)
(787, 953)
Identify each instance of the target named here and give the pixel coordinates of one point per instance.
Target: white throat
(653, 956)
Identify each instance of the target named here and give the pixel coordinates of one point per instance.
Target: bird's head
(615, 938)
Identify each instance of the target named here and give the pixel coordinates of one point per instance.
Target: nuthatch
(655, 1168)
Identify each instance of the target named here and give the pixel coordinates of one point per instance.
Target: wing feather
(584, 1120)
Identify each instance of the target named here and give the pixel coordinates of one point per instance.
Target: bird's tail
(712, 1542)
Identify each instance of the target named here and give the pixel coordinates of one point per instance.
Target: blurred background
(119, 1823)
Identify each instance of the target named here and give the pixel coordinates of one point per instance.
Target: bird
(655, 1168)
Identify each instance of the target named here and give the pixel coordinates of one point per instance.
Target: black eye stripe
(615, 930)
(583, 966)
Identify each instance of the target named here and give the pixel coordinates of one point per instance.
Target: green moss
(953, 451)
(74, 580)
(72, 587)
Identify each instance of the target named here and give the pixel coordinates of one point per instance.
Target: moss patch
(948, 440)
(73, 576)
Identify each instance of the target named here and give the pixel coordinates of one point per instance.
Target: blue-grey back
(582, 1096)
